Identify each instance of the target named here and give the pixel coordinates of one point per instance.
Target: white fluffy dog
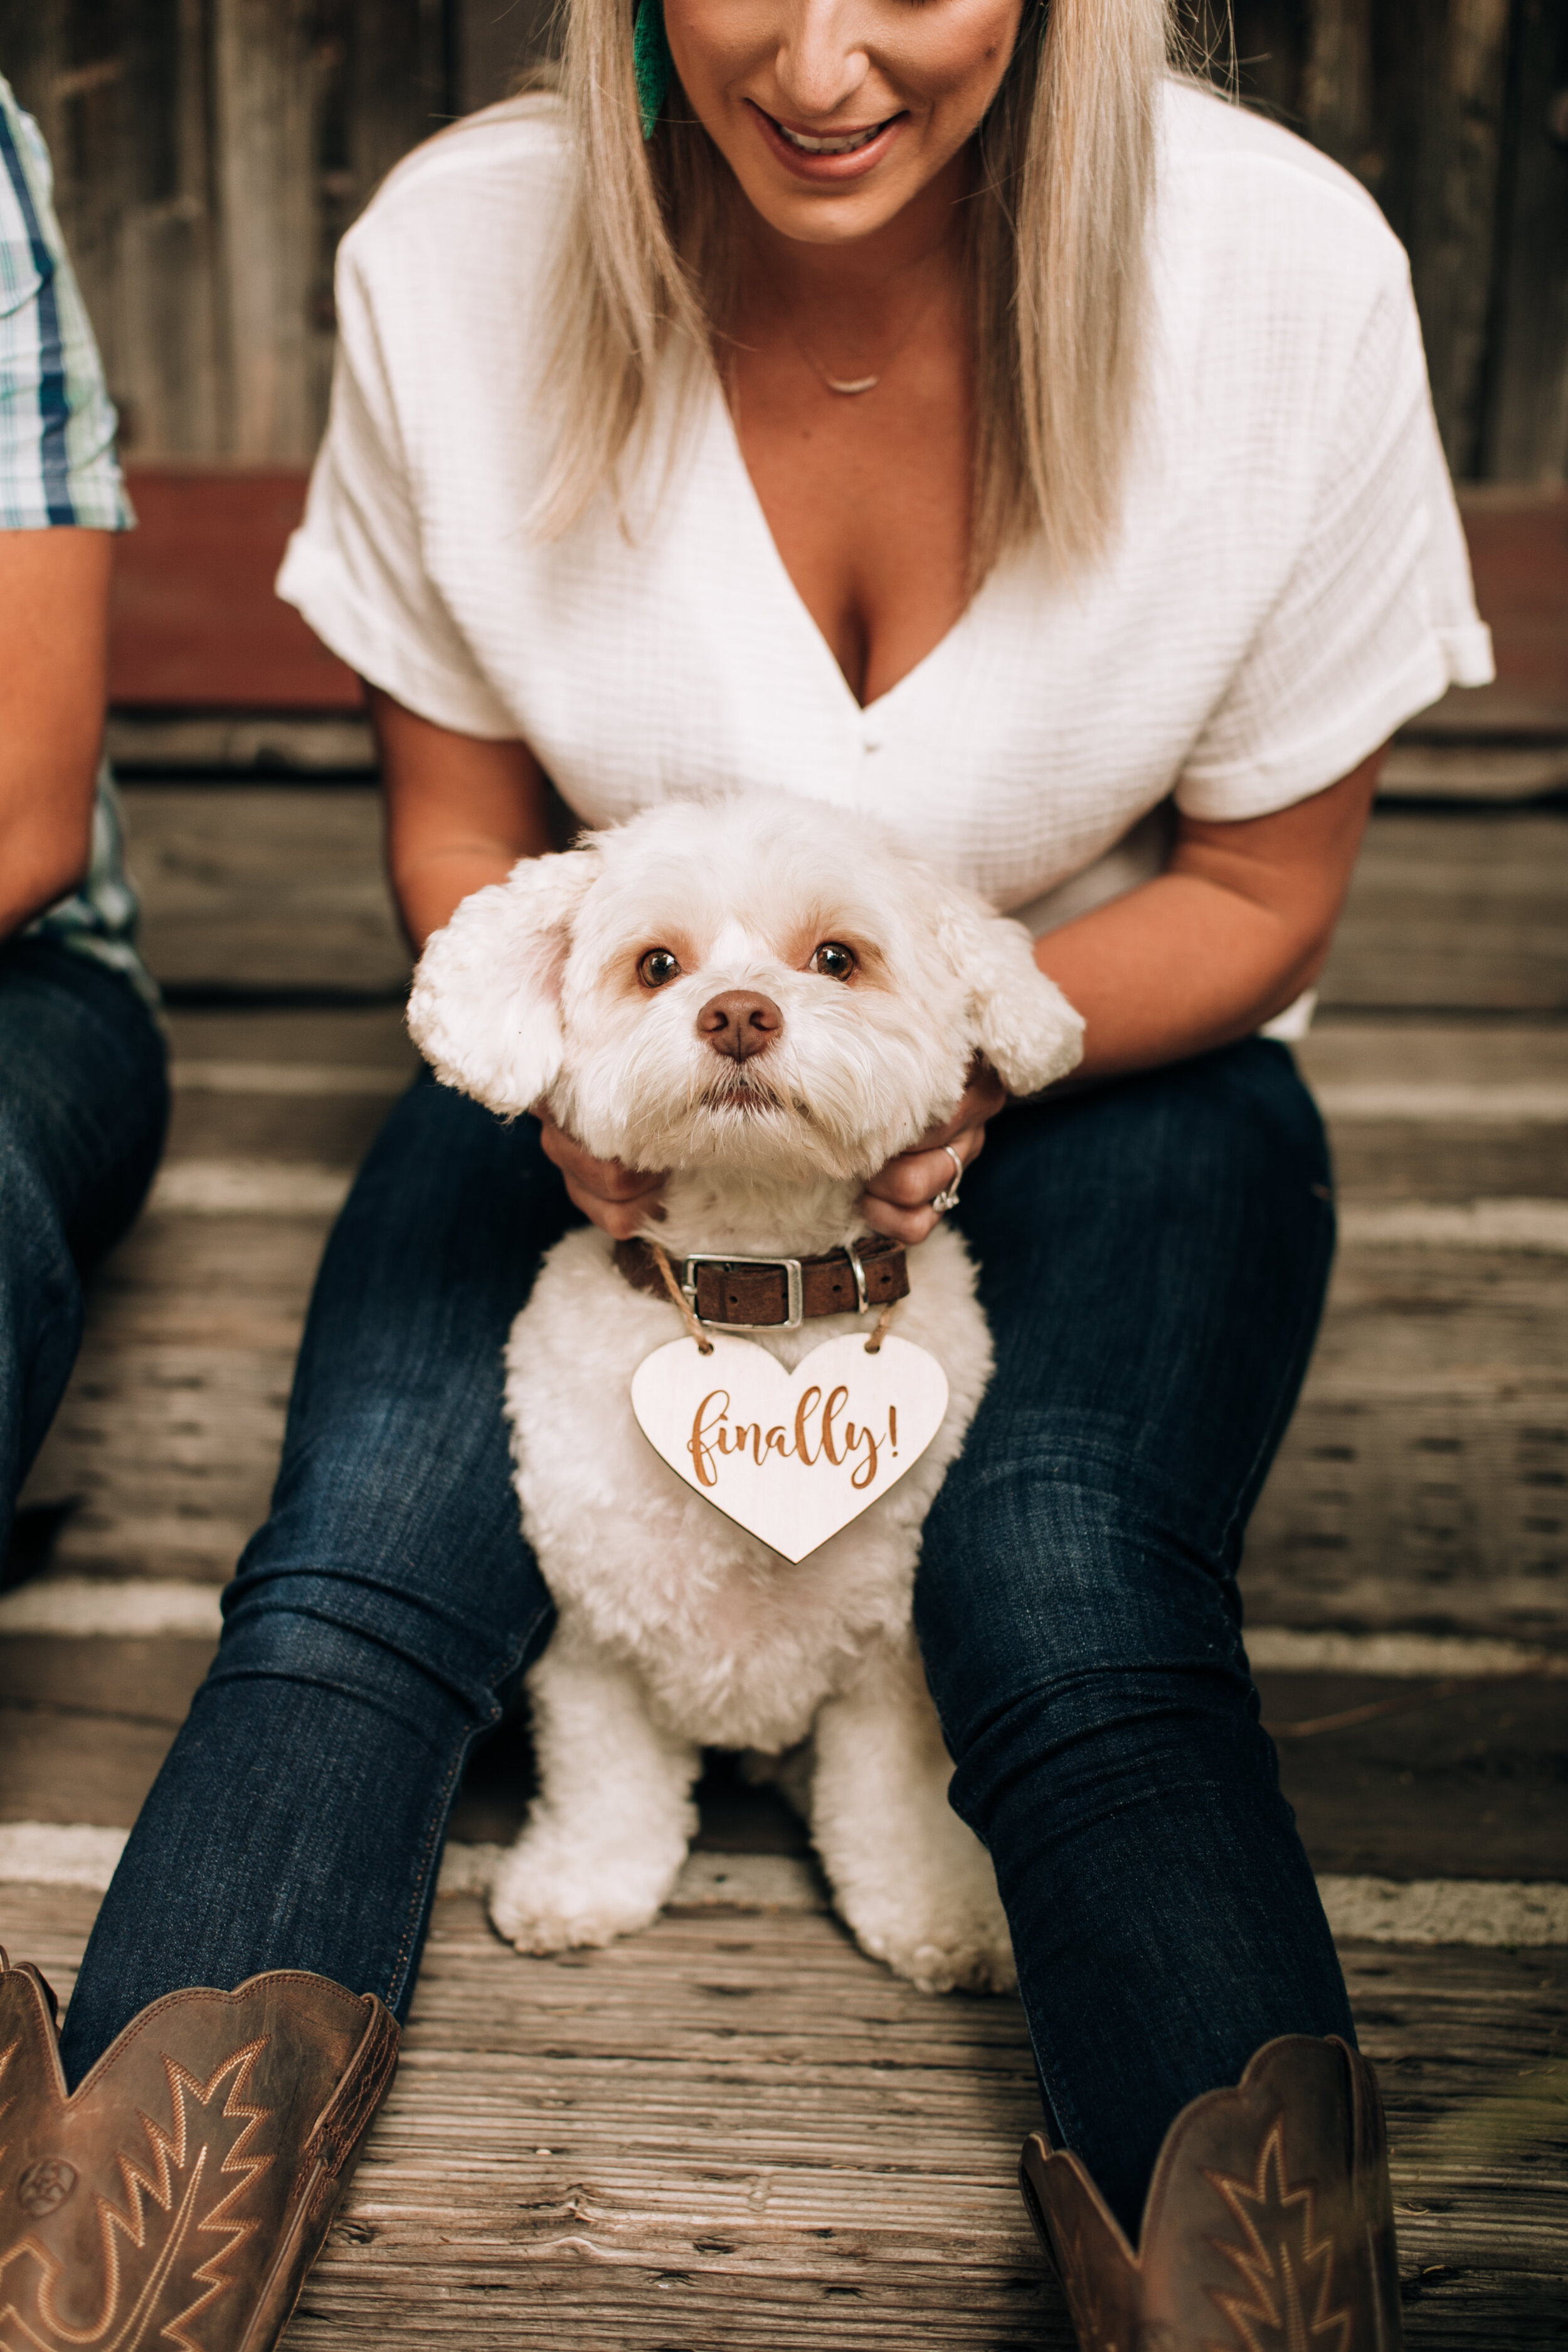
(591, 982)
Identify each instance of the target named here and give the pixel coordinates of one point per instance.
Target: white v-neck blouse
(1289, 582)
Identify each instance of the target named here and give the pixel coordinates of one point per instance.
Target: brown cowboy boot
(182, 2190)
(1268, 2225)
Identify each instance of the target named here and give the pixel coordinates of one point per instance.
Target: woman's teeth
(844, 145)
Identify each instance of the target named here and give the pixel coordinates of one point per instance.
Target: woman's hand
(618, 1200)
(898, 1200)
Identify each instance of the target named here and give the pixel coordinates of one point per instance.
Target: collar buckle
(794, 1288)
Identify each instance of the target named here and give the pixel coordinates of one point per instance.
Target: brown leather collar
(758, 1294)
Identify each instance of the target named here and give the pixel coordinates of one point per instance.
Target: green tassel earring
(650, 55)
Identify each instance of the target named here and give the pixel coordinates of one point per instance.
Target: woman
(945, 411)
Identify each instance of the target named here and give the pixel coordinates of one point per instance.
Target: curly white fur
(676, 1628)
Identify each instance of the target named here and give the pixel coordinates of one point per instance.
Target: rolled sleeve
(355, 568)
(1375, 618)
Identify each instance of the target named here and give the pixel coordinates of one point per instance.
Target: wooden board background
(737, 2135)
(210, 153)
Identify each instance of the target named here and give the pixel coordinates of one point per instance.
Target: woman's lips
(871, 142)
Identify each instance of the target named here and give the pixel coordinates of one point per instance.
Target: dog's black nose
(740, 1023)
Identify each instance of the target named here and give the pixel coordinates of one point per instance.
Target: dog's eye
(658, 968)
(833, 960)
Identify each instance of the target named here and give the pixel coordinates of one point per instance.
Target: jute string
(874, 1344)
(689, 1312)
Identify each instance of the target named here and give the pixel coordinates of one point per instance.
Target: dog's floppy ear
(485, 1009)
(1018, 1019)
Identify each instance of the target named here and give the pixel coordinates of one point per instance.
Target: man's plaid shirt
(57, 468)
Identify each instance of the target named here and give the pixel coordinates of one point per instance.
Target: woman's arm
(54, 630)
(461, 811)
(1239, 923)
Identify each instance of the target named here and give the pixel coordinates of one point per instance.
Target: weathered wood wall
(1454, 113)
(210, 152)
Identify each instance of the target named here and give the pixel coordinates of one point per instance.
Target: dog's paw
(945, 1961)
(939, 1944)
(544, 1901)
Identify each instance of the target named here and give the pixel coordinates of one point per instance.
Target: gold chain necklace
(848, 387)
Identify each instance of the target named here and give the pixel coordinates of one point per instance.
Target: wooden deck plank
(1366, 1051)
(1449, 1782)
(1452, 1093)
(168, 1435)
(358, 1035)
(275, 887)
(1394, 1160)
(1461, 1783)
(330, 1129)
(1465, 1143)
(1421, 1483)
(264, 887)
(1457, 909)
(731, 2132)
(94, 1680)
(224, 1111)
(1469, 771)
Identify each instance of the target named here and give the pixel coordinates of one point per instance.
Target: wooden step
(1423, 1479)
(1454, 1777)
(1445, 1779)
(731, 2132)
(1462, 908)
(280, 888)
(1519, 553)
(270, 888)
(195, 621)
(1422, 1482)
(1468, 770)
(1431, 1109)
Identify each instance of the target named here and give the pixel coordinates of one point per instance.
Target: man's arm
(53, 625)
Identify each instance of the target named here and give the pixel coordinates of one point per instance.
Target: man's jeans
(83, 1105)
(1154, 1254)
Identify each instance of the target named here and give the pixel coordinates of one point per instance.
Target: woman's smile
(828, 154)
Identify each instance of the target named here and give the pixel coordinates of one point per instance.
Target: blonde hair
(1064, 178)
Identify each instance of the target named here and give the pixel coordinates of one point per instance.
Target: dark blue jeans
(84, 1102)
(1154, 1260)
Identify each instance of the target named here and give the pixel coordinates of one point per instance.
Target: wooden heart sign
(791, 1456)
